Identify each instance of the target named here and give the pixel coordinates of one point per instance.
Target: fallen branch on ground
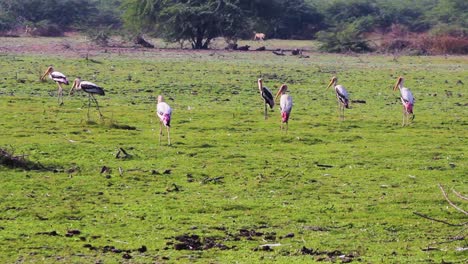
(122, 154)
(453, 239)
(450, 202)
(8, 159)
(437, 220)
(459, 195)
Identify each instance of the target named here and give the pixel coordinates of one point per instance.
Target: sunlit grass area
(232, 182)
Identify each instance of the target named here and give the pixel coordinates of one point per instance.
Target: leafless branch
(459, 195)
(122, 154)
(437, 220)
(450, 202)
(453, 239)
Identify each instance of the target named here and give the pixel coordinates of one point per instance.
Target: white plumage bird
(286, 104)
(91, 89)
(341, 96)
(407, 100)
(58, 78)
(164, 112)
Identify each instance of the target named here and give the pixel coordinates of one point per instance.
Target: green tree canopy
(198, 21)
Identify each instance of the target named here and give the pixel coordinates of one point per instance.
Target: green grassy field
(323, 190)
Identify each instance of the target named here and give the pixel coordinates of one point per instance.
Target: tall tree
(198, 21)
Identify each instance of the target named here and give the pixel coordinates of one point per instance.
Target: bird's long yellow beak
(260, 85)
(280, 91)
(45, 73)
(397, 83)
(72, 90)
(332, 81)
(277, 95)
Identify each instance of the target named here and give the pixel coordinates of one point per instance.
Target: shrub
(99, 36)
(450, 30)
(45, 28)
(348, 39)
(446, 44)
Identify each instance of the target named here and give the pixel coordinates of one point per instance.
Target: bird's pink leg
(160, 132)
(60, 93)
(339, 107)
(89, 104)
(404, 116)
(342, 111)
(97, 106)
(168, 136)
(266, 112)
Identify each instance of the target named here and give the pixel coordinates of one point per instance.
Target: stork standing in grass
(59, 78)
(286, 104)
(407, 100)
(91, 89)
(266, 95)
(341, 96)
(164, 112)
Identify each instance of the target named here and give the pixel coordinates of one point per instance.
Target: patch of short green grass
(350, 186)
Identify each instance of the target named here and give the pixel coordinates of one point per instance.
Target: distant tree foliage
(356, 17)
(282, 18)
(59, 12)
(198, 21)
(340, 24)
(345, 38)
(58, 15)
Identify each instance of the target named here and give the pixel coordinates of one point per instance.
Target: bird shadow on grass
(111, 124)
(120, 126)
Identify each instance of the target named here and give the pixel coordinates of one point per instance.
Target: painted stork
(59, 78)
(91, 89)
(266, 95)
(286, 104)
(407, 100)
(341, 96)
(164, 112)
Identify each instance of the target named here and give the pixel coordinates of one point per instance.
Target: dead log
(141, 41)
(243, 48)
(296, 52)
(278, 52)
(231, 46)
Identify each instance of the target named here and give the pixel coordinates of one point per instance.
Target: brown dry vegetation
(400, 40)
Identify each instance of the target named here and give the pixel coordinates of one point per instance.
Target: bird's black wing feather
(268, 97)
(342, 99)
(92, 89)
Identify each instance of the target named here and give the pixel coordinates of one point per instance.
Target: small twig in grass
(437, 220)
(450, 202)
(459, 195)
(453, 239)
(122, 154)
(213, 180)
(323, 165)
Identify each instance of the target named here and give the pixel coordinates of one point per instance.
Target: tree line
(340, 25)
